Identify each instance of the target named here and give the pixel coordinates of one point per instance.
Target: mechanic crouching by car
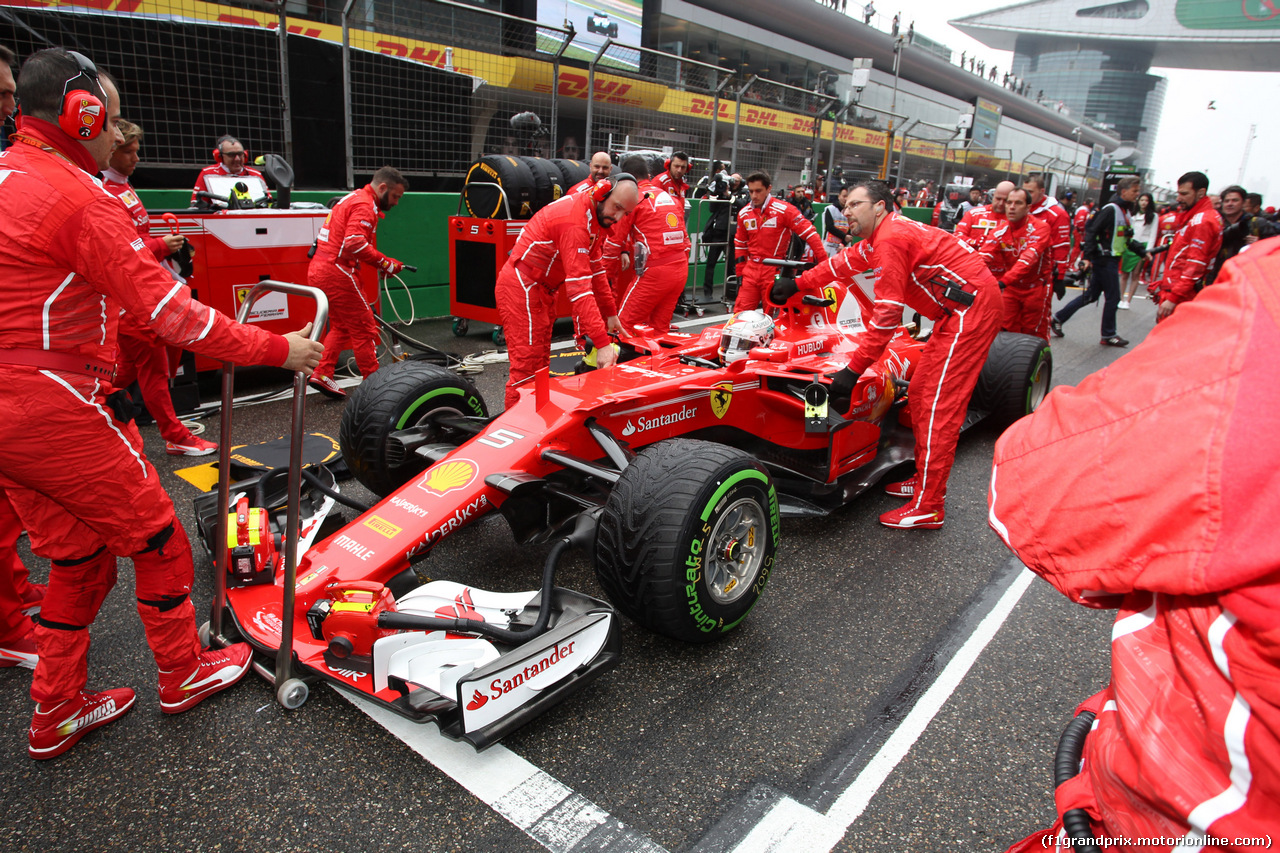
(764, 233)
(74, 470)
(143, 356)
(925, 269)
(557, 248)
(345, 240)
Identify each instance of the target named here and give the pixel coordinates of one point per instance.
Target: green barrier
(919, 214)
(414, 232)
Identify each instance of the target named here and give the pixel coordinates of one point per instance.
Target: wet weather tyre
(397, 397)
(1015, 378)
(688, 538)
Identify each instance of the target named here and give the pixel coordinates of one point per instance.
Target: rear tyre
(397, 397)
(1015, 378)
(688, 538)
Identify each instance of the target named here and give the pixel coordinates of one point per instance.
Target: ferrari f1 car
(672, 470)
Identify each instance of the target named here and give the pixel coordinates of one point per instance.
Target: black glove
(1059, 286)
(841, 391)
(784, 288)
(121, 405)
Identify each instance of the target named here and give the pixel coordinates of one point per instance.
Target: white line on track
(793, 827)
(534, 801)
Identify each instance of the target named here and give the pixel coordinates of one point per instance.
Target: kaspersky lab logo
(642, 424)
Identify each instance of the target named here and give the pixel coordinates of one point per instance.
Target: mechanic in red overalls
(764, 233)
(230, 160)
(143, 356)
(345, 240)
(1184, 742)
(74, 471)
(1078, 221)
(671, 178)
(599, 168)
(1046, 207)
(978, 222)
(1166, 226)
(1196, 241)
(556, 248)
(659, 246)
(925, 269)
(1017, 253)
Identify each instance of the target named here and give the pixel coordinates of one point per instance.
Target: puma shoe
(1114, 341)
(908, 517)
(327, 387)
(33, 598)
(20, 652)
(903, 489)
(215, 670)
(1057, 328)
(193, 446)
(56, 728)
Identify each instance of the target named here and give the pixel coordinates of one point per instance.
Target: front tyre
(688, 538)
(396, 397)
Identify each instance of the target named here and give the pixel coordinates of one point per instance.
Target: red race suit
(1078, 221)
(1018, 256)
(583, 185)
(143, 356)
(660, 255)
(76, 474)
(219, 169)
(678, 188)
(1182, 544)
(558, 246)
(977, 224)
(1166, 226)
(762, 234)
(1196, 241)
(15, 587)
(912, 263)
(1059, 222)
(346, 239)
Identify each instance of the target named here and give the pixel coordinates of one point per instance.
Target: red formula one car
(672, 470)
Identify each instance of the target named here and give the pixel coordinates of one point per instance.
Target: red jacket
(559, 245)
(678, 188)
(1195, 245)
(656, 224)
(72, 257)
(347, 236)
(217, 169)
(977, 224)
(1182, 543)
(1059, 222)
(908, 258)
(1081, 219)
(584, 185)
(118, 186)
(1018, 255)
(766, 233)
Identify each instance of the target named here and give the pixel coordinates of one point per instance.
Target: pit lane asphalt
(680, 742)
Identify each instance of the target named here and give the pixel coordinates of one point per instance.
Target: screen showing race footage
(593, 22)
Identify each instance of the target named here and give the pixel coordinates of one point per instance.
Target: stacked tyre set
(505, 187)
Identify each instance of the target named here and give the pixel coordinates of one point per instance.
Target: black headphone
(605, 186)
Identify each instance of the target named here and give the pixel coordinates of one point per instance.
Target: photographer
(715, 237)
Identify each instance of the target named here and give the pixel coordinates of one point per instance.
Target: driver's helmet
(747, 329)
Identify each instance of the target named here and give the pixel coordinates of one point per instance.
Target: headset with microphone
(605, 186)
(217, 149)
(83, 114)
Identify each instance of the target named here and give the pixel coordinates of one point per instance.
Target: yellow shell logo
(447, 476)
(672, 222)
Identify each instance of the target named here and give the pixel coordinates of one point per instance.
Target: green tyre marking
(767, 569)
(418, 403)
(729, 484)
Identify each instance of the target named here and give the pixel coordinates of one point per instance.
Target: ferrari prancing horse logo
(721, 397)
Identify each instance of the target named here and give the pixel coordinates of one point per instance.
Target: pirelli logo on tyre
(381, 525)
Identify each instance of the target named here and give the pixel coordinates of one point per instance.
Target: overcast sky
(1191, 135)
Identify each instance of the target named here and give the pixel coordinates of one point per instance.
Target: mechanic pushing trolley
(73, 468)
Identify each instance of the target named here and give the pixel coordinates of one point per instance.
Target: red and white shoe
(20, 652)
(215, 670)
(56, 728)
(908, 517)
(327, 387)
(903, 488)
(33, 598)
(193, 446)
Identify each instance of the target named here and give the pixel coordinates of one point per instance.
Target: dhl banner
(525, 74)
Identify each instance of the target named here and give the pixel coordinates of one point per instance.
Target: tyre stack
(501, 186)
